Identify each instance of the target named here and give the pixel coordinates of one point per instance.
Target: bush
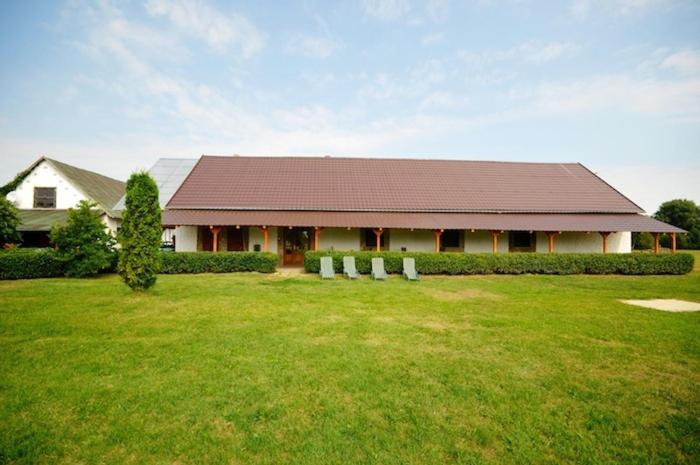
(9, 222)
(514, 263)
(220, 262)
(82, 244)
(30, 263)
(140, 233)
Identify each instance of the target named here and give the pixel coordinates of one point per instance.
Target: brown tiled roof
(478, 221)
(395, 185)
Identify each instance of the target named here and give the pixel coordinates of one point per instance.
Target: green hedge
(220, 262)
(514, 263)
(30, 263)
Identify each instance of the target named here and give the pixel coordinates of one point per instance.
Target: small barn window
(44, 197)
(451, 239)
(521, 241)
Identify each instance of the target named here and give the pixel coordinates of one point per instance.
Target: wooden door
(296, 242)
(235, 241)
(207, 240)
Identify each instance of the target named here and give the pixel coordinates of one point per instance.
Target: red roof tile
(395, 185)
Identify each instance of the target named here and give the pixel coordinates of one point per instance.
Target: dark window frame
(40, 201)
(457, 246)
(516, 244)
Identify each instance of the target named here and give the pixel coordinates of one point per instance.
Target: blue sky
(112, 86)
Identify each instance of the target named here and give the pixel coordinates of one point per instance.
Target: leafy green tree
(140, 233)
(642, 241)
(9, 221)
(83, 244)
(684, 214)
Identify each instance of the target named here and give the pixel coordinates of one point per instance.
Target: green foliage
(642, 241)
(220, 262)
(140, 233)
(30, 263)
(12, 185)
(9, 221)
(83, 244)
(514, 263)
(684, 214)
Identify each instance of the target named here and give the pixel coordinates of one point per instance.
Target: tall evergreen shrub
(140, 233)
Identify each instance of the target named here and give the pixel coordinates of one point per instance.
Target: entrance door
(296, 242)
(235, 242)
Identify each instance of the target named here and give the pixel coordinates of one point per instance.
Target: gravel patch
(667, 305)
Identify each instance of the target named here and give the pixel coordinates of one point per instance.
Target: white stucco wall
(111, 224)
(419, 240)
(44, 175)
(340, 239)
(255, 236)
(581, 242)
(185, 238)
(481, 241)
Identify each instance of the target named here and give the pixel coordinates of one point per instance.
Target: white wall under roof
(44, 175)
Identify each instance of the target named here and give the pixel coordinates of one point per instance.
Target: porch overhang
(571, 222)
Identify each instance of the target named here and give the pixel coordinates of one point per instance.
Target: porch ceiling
(478, 221)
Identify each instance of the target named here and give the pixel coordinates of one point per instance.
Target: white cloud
(583, 9)
(432, 39)
(527, 52)
(438, 10)
(217, 29)
(684, 62)
(620, 93)
(312, 46)
(386, 9)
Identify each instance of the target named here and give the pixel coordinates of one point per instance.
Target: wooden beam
(215, 230)
(673, 242)
(494, 240)
(657, 245)
(378, 232)
(317, 238)
(551, 235)
(604, 235)
(438, 235)
(266, 238)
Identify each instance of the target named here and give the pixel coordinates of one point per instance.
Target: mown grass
(253, 369)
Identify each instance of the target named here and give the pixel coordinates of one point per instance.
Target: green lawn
(249, 369)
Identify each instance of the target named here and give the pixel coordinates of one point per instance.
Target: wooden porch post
(215, 230)
(673, 242)
(494, 240)
(266, 238)
(438, 234)
(551, 235)
(657, 246)
(604, 235)
(317, 238)
(378, 232)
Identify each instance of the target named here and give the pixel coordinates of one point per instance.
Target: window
(450, 239)
(369, 240)
(44, 197)
(521, 241)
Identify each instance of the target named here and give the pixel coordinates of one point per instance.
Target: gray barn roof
(168, 173)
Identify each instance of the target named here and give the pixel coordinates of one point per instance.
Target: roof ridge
(384, 158)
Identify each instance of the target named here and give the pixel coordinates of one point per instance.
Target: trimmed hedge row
(513, 263)
(44, 263)
(220, 262)
(30, 263)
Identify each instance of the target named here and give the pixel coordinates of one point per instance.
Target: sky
(112, 86)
